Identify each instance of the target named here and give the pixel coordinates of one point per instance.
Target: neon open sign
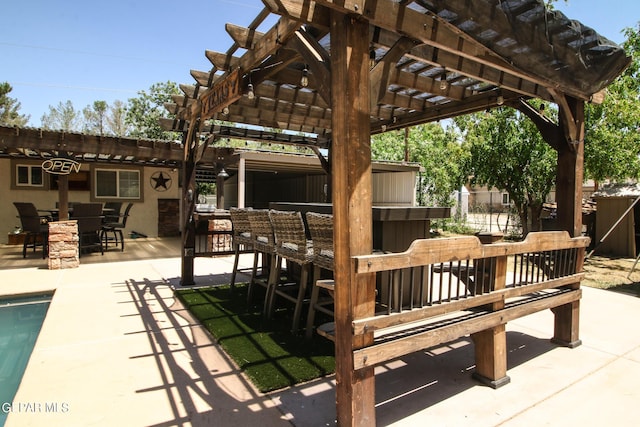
(60, 166)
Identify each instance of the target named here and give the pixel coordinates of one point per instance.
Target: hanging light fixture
(304, 80)
(372, 57)
(500, 99)
(250, 93)
(223, 173)
(443, 81)
(225, 111)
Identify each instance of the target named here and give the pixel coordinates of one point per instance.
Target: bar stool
(263, 242)
(291, 245)
(241, 237)
(321, 230)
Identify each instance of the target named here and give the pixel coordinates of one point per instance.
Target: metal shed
(618, 203)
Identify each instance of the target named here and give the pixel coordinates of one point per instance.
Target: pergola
(338, 71)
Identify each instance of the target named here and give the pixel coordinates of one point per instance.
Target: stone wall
(63, 245)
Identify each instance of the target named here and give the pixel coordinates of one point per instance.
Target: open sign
(60, 166)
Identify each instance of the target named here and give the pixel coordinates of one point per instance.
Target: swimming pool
(20, 322)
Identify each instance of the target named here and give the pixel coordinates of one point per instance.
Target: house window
(29, 176)
(117, 184)
(505, 199)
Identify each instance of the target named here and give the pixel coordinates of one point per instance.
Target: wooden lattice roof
(430, 59)
(40, 144)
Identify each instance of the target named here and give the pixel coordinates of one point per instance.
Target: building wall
(394, 189)
(481, 199)
(143, 216)
(389, 189)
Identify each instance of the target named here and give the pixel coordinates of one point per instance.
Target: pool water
(20, 322)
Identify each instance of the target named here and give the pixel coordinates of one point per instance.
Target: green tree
(144, 112)
(9, 108)
(95, 117)
(436, 149)
(64, 117)
(612, 129)
(508, 153)
(115, 119)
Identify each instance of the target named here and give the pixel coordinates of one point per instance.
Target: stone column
(63, 245)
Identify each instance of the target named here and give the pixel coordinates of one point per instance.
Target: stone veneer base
(63, 245)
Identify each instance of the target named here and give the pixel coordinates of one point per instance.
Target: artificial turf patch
(264, 349)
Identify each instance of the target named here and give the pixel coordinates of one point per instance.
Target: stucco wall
(144, 215)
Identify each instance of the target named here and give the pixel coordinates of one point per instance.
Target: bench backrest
(459, 276)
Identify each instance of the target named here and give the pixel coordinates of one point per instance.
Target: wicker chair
(291, 245)
(321, 230)
(264, 245)
(241, 237)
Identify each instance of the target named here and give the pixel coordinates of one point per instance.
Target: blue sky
(83, 51)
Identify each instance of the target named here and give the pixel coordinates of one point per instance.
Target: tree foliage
(9, 108)
(95, 117)
(139, 118)
(508, 153)
(63, 117)
(115, 119)
(144, 112)
(612, 132)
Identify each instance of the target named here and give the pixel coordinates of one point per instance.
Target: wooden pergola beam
(79, 144)
(383, 71)
(205, 78)
(317, 59)
(242, 36)
(222, 61)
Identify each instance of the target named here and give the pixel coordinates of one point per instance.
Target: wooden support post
(188, 202)
(491, 344)
(570, 172)
(491, 356)
(352, 199)
(63, 197)
(567, 325)
(569, 198)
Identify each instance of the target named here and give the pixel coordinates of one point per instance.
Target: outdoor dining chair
(293, 247)
(115, 227)
(34, 227)
(89, 219)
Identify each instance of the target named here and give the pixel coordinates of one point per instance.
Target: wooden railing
(442, 289)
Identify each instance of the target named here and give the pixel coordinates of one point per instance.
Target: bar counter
(394, 227)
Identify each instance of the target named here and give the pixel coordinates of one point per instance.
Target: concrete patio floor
(117, 349)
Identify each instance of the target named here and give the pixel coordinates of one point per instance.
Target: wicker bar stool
(263, 242)
(291, 245)
(241, 236)
(321, 230)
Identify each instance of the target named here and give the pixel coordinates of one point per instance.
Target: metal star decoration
(161, 182)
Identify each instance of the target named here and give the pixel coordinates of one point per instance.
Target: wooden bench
(459, 287)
